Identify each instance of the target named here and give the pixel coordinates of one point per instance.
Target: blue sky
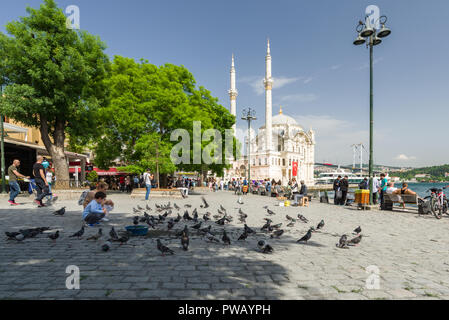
(322, 79)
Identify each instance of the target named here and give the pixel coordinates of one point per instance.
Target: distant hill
(435, 172)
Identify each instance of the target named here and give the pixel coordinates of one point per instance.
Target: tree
(54, 77)
(147, 104)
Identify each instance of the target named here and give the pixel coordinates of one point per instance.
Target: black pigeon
(342, 243)
(302, 218)
(307, 236)
(265, 207)
(356, 240)
(186, 216)
(248, 229)
(264, 247)
(96, 236)
(113, 234)
(288, 217)
(225, 238)
(12, 235)
(206, 205)
(221, 221)
(136, 221)
(150, 223)
(178, 218)
(185, 241)
(222, 209)
(268, 220)
(161, 218)
(195, 215)
(78, 234)
(209, 236)
(291, 224)
(59, 212)
(266, 226)
(206, 230)
(320, 225)
(277, 226)
(185, 230)
(206, 217)
(277, 233)
(176, 206)
(163, 249)
(243, 236)
(187, 206)
(54, 236)
(357, 230)
(106, 246)
(197, 226)
(29, 233)
(170, 224)
(123, 239)
(270, 212)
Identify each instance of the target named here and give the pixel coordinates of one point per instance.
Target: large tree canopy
(147, 104)
(54, 79)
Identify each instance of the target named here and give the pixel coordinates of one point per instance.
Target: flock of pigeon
(162, 220)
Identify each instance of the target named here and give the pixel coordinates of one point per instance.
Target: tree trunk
(56, 151)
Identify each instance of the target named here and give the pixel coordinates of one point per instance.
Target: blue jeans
(50, 195)
(14, 190)
(148, 186)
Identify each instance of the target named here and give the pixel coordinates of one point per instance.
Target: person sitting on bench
(302, 193)
(404, 190)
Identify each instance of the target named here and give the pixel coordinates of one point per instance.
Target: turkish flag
(295, 168)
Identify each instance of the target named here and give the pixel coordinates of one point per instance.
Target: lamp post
(372, 37)
(2, 147)
(249, 115)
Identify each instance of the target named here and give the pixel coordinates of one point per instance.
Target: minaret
(233, 92)
(268, 83)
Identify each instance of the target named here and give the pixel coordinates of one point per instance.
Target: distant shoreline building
(282, 149)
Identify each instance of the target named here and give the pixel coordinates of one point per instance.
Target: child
(95, 211)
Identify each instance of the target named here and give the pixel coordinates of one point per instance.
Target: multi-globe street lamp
(367, 33)
(249, 115)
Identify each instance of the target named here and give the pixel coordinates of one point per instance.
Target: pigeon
(195, 215)
(96, 236)
(178, 218)
(320, 225)
(135, 210)
(54, 236)
(265, 207)
(242, 213)
(106, 246)
(163, 249)
(240, 201)
(185, 241)
(79, 233)
(197, 226)
(170, 224)
(29, 233)
(264, 247)
(113, 234)
(288, 217)
(222, 209)
(343, 242)
(176, 206)
(291, 224)
(185, 230)
(268, 220)
(150, 223)
(356, 240)
(186, 216)
(59, 212)
(206, 230)
(248, 229)
(12, 235)
(139, 207)
(277, 233)
(123, 239)
(277, 226)
(136, 221)
(266, 226)
(225, 238)
(206, 217)
(221, 221)
(209, 236)
(270, 212)
(302, 218)
(307, 236)
(187, 206)
(206, 205)
(148, 207)
(243, 236)
(357, 230)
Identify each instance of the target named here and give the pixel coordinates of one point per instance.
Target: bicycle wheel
(436, 208)
(445, 207)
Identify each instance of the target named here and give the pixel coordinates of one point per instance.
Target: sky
(320, 78)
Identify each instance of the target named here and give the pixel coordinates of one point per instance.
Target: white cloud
(257, 82)
(307, 80)
(299, 98)
(403, 157)
(335, 67)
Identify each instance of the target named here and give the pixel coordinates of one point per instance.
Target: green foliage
(92, 176)
(436, 173)
(147, 104)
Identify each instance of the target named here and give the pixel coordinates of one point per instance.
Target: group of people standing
(341, 187)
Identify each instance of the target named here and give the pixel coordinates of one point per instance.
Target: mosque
(281, 149)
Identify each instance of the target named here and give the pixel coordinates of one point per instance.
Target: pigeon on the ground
(270, 212)
(164, 249)
(302, 218)
(291, 224)
(277, 233)
(59, 212)
(357, 230)
(136, 220)
(277, 226)
(113, 234)
(186, 216)
(106, 246)
(178, 218)
(225, 238)
(148, 207)
(139, 207)
(222, 209)
(197, 226)
(206, 205)
(206, 217)
(307, 236)
(209, 236)
(288, 217)
(265, 207)
(12, 235)
(123, 239)
(221, 221)
(266, 226)
(320, 225)
(243, 236)
(54, 236)
(170, 224)
(240, 201)
(187, 206)
(96, 236)
(342, 243)
(206, 230)
(79, 233)
(136, 210)
(185, 241)
(264, 247)
(356, 240)
(176, 206)
(248, 229)
(185, 230)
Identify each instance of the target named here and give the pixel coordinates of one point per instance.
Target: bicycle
(438, 202)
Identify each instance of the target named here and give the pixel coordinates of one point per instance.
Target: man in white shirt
(147, 181)
(391, 188)
(376, 186)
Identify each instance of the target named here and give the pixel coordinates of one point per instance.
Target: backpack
(83, 197)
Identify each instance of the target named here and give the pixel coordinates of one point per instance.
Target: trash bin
(361, 196)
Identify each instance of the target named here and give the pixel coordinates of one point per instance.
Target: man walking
(41, 181)
(147, 181)
(337, 193)
(14, 187)
(344, 186)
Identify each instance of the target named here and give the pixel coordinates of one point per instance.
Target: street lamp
(249, 115)
(372, 37)
(2, 147)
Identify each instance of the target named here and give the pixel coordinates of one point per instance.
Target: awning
(100, 172)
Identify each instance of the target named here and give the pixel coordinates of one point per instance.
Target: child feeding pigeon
(95, 211)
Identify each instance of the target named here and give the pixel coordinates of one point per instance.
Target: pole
(371, 122)
(249, 151)
(2, 148)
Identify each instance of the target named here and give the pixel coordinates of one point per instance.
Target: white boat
(329, 177)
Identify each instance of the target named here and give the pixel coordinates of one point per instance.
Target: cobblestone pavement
(410, 252)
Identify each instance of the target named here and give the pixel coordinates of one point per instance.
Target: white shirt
(390, 190)
(146, 178)
(49, 176)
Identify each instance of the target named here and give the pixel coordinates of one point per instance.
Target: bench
(390, 199)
